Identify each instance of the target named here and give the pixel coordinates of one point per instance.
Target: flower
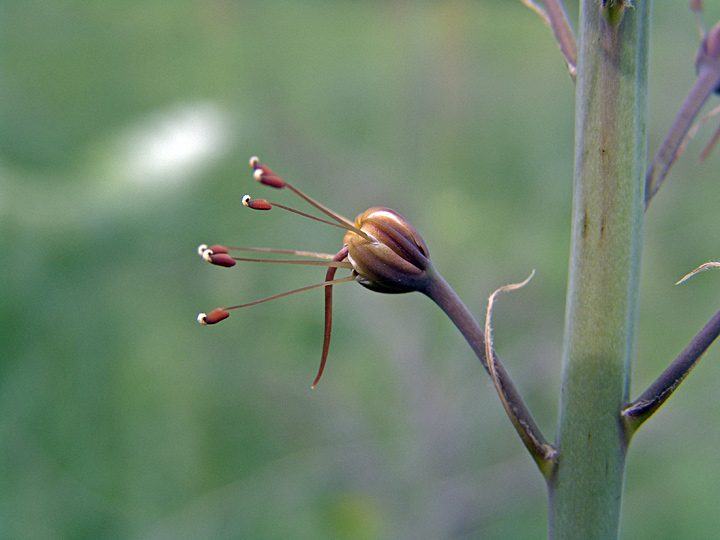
(382, 250)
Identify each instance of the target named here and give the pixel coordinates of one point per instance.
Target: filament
(351, 277)
(316, 255)
(338, 264)
(334, 224)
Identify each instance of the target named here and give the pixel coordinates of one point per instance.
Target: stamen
(215, 316)
(344, 222)
(222, 259)
(269, 179)
(286, 252)
(262, 204)
(217, 255)
(339, 264)
(255, 164)
(342, 254)
(301, 289)
(205, 251)
(265, 176)
(259, 204)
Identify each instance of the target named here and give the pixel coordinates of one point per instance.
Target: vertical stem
(610, 152)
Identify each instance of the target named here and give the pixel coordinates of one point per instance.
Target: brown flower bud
(391, 257)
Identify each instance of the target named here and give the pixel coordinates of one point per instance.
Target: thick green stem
(610, 152)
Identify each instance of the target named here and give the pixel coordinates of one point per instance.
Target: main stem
(610, 152)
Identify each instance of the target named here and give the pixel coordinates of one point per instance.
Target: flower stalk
(517, 410)
(708, 82)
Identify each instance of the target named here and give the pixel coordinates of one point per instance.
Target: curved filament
(342, 254)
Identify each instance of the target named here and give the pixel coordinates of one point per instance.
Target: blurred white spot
(169, 146)
(165, 149)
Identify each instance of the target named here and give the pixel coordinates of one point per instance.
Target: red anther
(222, 259)
(215, 316)
(269, 179)
(258, 204)
(217, 248)
(264, 174)
(256, 165)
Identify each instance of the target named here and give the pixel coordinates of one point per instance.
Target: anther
(215, 316)
(257, 204)
(269, 179)
(221, 259)
(257, 166)
(217, 248)
(264, 174)
(217, 255)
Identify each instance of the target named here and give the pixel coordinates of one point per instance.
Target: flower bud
(391, 257)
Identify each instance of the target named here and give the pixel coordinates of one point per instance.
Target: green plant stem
(444, 296)
(608, 204)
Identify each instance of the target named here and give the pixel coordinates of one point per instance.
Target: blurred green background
(125, 133)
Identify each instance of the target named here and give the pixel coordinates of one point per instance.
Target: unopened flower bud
(391, 257)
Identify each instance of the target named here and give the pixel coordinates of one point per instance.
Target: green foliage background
(125, 133)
